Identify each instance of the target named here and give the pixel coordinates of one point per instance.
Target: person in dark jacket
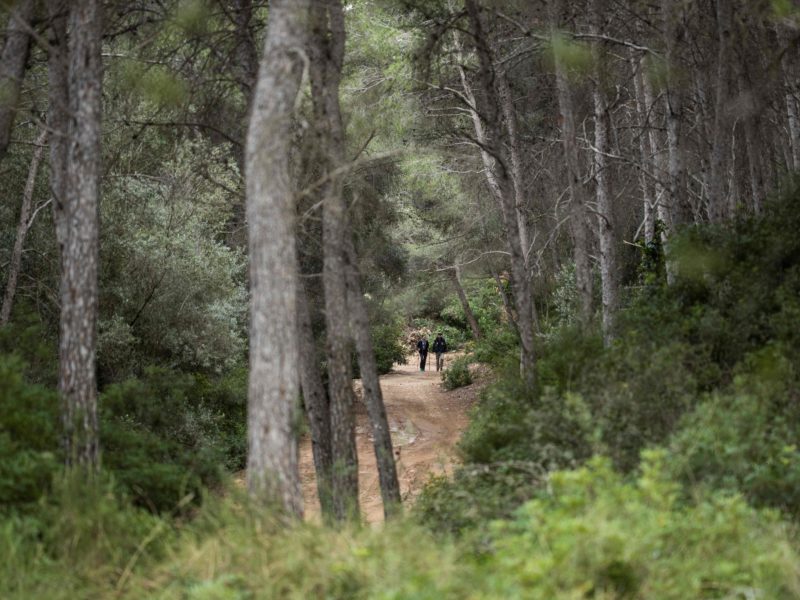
(422, 348)
(439, 348)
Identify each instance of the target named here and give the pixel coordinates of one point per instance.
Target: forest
(225, 225)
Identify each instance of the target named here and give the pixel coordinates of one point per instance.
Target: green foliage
(163, 436)
(156, 84)
(587, 533)
(173, 292)
(574, 57)
(79, 543)
(592, 534)
(476, 495)
(457, 374)
(731, 315)
(387, 339)
(747, 438)
(639, 397)
(167, 434)
(510, 423)
(29, 449)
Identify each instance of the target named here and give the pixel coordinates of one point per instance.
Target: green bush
(747, 438)
(166, 435)
(511, 423)
(498, 348)
(457, 374)
(590, 533)
(29, 442)
(387, 339)
(476, 495)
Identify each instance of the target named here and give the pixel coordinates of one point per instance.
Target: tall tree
(371, 388)
(26, 215)
(327, 56)
(75, 81)
(609, 277)
(572, 161)
(317, 406)
(272, 461)
(12, 66)
(486, 111)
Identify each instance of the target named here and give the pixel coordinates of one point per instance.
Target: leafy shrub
(589, 533)
(747, 438)
(164, 435)
(639, 399)
(476, 495)
(173, 291)
(387, 339)
(29, 449)
(457, 374)
(83, 539)
(511, 423)
(499, 348)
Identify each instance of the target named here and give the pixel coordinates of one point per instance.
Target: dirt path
(426, 422)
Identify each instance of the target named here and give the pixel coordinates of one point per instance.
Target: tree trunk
(605, 222)
(315, 400)
(754, 147)
(515, 158)
(661, 169)
(462, 297)
(647, 170)
(674, 109)
(12, 67)
(789, 71)
(272, 462)
(22, 230)
(578, 225)
(326, 63)
(58, 118)
(491, 136)
(79, 293)
(718, 205)
(509, 310)
(246, 51)
(370, 382)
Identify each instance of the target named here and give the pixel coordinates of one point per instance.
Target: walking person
(422, 348)
(439, 348)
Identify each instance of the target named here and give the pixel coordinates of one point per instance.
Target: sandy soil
(426, 422)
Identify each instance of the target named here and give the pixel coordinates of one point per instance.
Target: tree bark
(370, 383)
(58, 118)
(718, 206)
(12, 67)
(646, 153)
(674, 109)
(491, 137)
(326, 63)
(79, 292)
(578, 225)
(509, 310)
(22, 230)
(602, 126)
(315, 400)
(462, 298)
(663, 213)
(272, 462)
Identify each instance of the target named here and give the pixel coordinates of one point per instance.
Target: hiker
(422, 347)
(439, 347)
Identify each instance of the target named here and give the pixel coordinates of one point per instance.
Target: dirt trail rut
(426, 422)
